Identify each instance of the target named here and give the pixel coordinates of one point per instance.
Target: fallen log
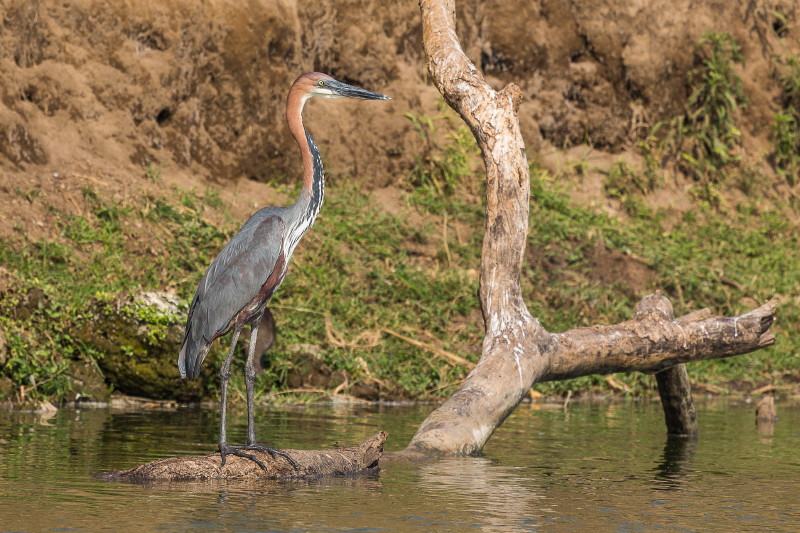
(352, 460)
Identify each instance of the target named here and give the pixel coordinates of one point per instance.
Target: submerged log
(362, 459)
(675, 391)
(765, 410)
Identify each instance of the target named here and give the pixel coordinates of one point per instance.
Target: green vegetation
(627, 185)
(113, 250)
(362, 273)
(729, 263)
(705, 139)
(153, 172)
(445, 161)
(387, 297)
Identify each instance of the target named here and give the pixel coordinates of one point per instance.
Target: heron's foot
(273, 452)
(227, 449)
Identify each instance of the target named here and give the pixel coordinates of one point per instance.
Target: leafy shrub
(705, 139)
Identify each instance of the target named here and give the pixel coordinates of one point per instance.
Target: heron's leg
(226, 449)
(224, 375)
(249, 379)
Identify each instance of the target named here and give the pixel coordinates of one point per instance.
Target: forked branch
(517, 350)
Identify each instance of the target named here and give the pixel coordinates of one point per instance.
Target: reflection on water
(608, 467)
(672, 470)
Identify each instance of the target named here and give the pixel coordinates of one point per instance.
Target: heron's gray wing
(233, 279)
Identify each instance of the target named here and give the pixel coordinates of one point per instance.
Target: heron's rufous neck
(294, 116)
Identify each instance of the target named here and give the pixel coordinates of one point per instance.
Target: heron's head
(322, 85)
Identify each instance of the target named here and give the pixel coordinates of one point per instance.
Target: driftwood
(517, 350)
(362, 459)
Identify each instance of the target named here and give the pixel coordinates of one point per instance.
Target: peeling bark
(651, 341)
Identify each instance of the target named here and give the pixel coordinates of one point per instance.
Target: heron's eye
(321, 83)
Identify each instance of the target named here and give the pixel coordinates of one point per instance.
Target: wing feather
(232, 280)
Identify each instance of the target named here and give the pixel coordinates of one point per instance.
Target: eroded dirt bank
(200, 88)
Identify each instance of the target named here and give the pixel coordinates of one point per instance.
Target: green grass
(361, 271)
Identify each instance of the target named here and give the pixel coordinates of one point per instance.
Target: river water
(601, 467)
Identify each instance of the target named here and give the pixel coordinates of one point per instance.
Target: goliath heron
(240, 281)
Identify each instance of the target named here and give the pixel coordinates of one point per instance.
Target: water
(605, 467)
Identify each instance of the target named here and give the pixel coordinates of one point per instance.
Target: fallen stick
(448, 357)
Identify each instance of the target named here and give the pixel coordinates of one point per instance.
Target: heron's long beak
(350, 91)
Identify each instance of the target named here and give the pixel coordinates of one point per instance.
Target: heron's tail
(191, 357)
(182, 361)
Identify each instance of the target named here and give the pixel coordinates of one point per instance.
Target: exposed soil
(95, 93)
(612, 266)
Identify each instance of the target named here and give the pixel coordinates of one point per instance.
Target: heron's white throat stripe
(309, 215)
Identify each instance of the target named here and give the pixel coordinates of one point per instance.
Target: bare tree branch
(517, 350)
(651, 342)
